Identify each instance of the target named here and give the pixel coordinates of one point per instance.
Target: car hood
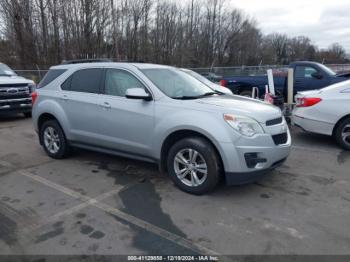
(252, 108)
(14, 80)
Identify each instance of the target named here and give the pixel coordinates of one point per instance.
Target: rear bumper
(311, 125)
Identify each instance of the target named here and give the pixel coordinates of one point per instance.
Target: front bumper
(21, 105)
(263, 156)
(250, 177)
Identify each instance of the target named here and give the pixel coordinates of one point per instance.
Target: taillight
(34, 96)
(223, 83)
(307, 101)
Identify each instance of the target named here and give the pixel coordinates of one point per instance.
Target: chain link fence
(35, 75)
(257, 70)
(213, 72)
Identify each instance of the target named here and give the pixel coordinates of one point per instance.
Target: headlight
(244, 125)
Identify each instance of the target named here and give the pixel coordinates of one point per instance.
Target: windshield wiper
(185, 97)
(197, 97)
(5, 75)
(210, 94)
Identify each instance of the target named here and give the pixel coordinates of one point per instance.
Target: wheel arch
(175, 136)
(338, 123)
(44, 117)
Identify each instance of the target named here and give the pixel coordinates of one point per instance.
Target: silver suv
(162, 115)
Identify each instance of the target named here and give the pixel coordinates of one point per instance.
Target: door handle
(106, 105)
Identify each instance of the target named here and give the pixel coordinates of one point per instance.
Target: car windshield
(198, 77)
(178, 84)
(6, 71)
(328, 70)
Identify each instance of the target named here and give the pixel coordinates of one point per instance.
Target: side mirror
(317, 75)
(137, 93)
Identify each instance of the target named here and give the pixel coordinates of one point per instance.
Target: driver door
(126, 124)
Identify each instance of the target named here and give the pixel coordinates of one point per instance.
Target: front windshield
(6, 71)
(327, 70)
(198, 77)
(177, 84)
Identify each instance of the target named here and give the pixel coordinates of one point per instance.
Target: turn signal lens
(34, 97)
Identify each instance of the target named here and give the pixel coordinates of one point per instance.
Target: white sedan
(325, 111)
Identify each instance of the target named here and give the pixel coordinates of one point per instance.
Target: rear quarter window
(85, 81)
(50, 76)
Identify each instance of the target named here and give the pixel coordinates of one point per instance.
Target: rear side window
(50, 76)
(85, 80)
(304, 71)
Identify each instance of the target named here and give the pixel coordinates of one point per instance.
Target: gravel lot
(93, 203)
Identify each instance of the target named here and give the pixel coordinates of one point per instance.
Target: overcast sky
(323, 21)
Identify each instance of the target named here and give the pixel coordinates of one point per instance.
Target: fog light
(252, 159)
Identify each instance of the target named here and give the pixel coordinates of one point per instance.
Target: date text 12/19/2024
(173, 258)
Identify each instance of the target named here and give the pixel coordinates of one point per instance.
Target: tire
(247, 93)
(342, 129)
(27, 114)
(204, 154)
(58, 149)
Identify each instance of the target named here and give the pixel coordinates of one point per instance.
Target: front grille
(13, 85)
(275, 121)
(14, 96)
(280, 139)
(14, 91)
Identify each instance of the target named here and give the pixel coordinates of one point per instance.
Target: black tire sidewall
(338, 133)
(210, 156)
(62, 152)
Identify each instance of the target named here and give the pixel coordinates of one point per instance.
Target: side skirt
(113, 152)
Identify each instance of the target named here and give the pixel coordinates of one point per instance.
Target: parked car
(307, 76)
(325, 111)
(162, 115)
(207, 82)
(211, 76)
(15, 92)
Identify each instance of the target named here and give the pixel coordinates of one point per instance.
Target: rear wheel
(342, 133)
(53, 140)
(194, 165)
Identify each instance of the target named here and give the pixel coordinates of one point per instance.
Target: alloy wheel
(346, 134)
(51, 140)
(190, 167)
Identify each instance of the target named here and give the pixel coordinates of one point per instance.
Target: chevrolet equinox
(162, 115)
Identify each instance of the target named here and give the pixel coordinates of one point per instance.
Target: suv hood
(252, 108)
(14, 80)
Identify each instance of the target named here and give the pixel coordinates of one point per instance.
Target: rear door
(126, 124)
(80, 101)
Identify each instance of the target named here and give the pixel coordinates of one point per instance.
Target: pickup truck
(307, 76)
(15, 92)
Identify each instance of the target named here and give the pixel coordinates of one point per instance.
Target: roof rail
(79, 61)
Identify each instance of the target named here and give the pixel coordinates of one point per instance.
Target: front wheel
(194, 165)
(53, 140)
(342, 133)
